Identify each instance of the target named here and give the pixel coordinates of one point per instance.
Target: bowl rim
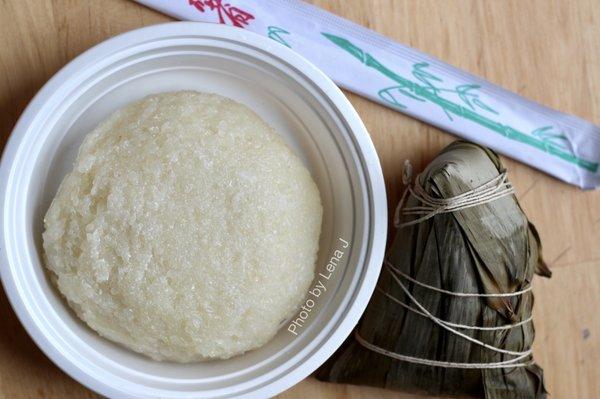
(372, 169)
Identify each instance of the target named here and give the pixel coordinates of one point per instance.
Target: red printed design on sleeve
(228, 14)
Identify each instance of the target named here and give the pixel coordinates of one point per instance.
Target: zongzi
(452, 310)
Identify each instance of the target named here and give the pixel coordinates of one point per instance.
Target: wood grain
(547, 50)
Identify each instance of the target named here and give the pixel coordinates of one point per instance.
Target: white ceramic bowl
(294, 97)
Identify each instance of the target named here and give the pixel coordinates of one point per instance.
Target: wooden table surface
(547, 50)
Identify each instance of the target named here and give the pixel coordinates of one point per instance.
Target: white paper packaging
(402, 78)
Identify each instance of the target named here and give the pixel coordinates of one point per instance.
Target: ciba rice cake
(187, 229)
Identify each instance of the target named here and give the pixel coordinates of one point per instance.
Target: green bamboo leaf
(550, 138)
(346, 45)
(483, 106)
(388, 94)
(276, 33)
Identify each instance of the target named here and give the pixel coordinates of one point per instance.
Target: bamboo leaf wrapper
(490, 248)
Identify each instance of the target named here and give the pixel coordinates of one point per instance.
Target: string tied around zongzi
(497, 187)
(451, 327)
